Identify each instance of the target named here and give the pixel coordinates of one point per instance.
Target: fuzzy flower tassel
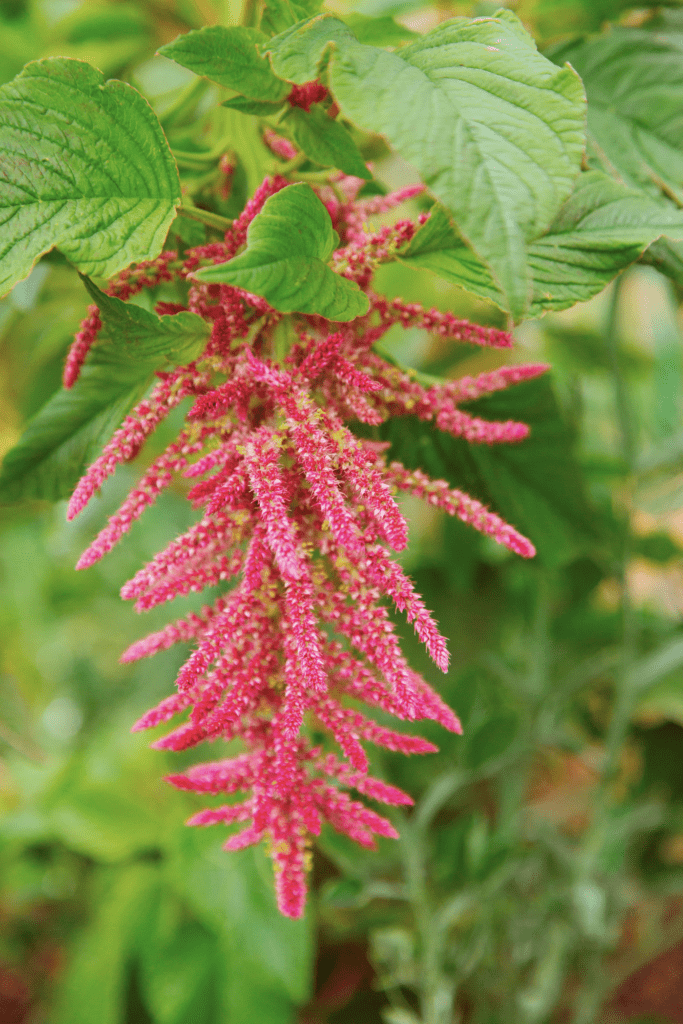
(296, 521)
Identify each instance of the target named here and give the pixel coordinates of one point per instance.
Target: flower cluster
(297, 516)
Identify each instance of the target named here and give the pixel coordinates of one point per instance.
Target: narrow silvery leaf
(85, 169)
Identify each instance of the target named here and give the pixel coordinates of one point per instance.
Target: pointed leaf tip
(285, 262)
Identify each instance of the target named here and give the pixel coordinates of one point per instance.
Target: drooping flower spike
(298, 514)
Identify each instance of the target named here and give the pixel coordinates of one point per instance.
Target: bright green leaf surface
(288, 244)
(67, 433)
(495, 130)
(601, 229)
(535, 485)
(229, 57)
(279, 15)
(85, 168)
(262, 108)
(634, 84)
(379, 31)
(300, 53)
(326, 141)
(666, 257)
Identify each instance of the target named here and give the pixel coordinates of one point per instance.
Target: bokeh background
(540, 876)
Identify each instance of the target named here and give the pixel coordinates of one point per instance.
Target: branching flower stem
(299, 517)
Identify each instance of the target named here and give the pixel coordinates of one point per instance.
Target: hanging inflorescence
(300, 513)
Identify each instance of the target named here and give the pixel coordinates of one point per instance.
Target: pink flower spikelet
(296, 518)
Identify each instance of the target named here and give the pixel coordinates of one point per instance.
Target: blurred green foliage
(543, 863)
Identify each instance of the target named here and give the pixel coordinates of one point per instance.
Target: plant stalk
(213, 220)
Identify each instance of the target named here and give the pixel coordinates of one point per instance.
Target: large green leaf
(103, 823)
(67, 433)
(85, 169)
(601, 229)
(535, 485)
(179, 967)
(288, 244)
(229, 57)
(326, 141)
(279, 15)
(233, 894)
(300, 53)
(245, 105)
(666, 256)
(379, 31)
(495, 130)
(634, 85)
(92, 988)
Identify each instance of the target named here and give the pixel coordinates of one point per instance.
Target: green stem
(292, 165)
(184, 102)
(621, 713)
(435, 992)
(189, 157)
(596, 988)
(213, 220)
(249, 13)
(625, 412)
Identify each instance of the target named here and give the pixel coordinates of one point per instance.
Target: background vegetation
(540, 876)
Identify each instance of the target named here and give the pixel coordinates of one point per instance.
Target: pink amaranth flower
(297, 519)
(306, 95)
(279, 145)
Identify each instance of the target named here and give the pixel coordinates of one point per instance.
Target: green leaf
(634, 85)
(490, 740)
(254, 157)
(261, 108)
(602, 228)
(97, 22)
(232, 893)
(92, 988)
(85, 168)
(495, 130)
(228, 56)
(279, 15)
(326, 141)
(178, 968)
(378, 31)
(300, 53)
(650, 669)
(67, 433)
(288, 244)
(666, 257)
(100, 822)
(535, 485)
